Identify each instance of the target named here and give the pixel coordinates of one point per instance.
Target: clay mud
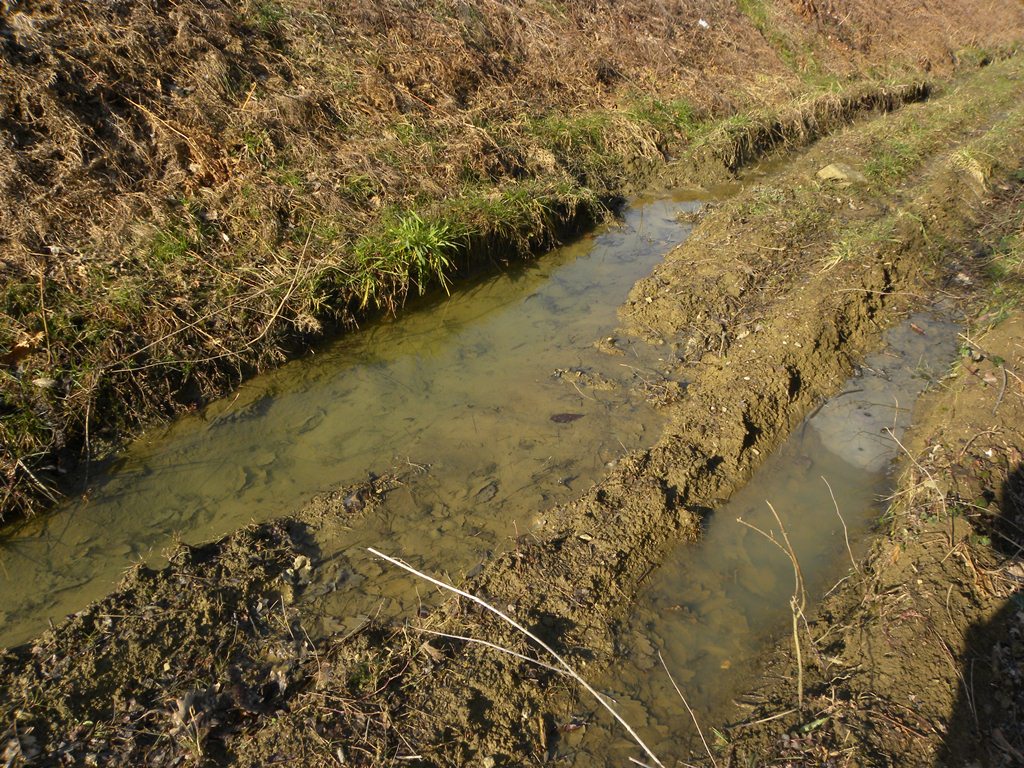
(506, 398)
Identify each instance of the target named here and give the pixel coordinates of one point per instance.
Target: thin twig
(88, 447)
(288, 293)
(495, 646)
(44, 489)
(1002, 391)
(798, 602)
(513, 623)
(768, 719)
(925, 472)
(846, 533)
(46, 327)
(686, 704)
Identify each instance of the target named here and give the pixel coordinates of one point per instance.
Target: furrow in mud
(760, 243)
(915, 659)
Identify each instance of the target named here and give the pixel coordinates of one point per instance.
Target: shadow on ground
(987, 724)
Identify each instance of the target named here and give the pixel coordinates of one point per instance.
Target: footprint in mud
(488, 492)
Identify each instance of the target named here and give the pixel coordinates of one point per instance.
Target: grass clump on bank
(406, 251)
(188, 205)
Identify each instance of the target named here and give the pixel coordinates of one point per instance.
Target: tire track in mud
(586, 561)
(385, 694)
(916, 664)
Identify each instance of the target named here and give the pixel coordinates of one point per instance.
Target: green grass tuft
(265, 15)
(757, 12)
(406, 249)
(893, 160)
(677, 116)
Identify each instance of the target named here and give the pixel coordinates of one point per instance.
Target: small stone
(488, 492)
(566, 418)
(44, 383)
(842, 174)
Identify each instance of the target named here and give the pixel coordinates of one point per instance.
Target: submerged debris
(566, 418)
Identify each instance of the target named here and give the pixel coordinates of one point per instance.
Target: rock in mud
(488, 492)
(301, 572)
(841, 174)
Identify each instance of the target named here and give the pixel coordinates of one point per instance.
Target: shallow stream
(485, 405)
(458, 393)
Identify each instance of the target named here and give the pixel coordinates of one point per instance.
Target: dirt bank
(207, 661)
(192, 191)
(917, 659)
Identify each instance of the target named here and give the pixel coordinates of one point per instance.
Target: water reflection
(463, 387)
(711, 608)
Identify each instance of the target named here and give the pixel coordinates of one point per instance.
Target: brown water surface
(461, 388)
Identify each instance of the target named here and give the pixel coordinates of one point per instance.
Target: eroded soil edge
(194, 191)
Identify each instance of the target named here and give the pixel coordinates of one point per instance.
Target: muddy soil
(764, 310)
(918, 658)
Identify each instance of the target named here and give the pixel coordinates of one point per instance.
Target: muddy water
(458, 393)
(711, 608)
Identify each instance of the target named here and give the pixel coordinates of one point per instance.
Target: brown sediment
(917, 660)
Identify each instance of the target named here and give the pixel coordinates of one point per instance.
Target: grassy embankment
(196, 192)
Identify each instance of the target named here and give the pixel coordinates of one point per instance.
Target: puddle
(462, 388)
(711, 608)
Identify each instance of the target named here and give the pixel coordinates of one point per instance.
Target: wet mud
(498, 397)
(916, 656)
(710, 608)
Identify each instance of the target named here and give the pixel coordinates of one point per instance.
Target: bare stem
(686, 704)
(846, 532)
(494, 646)
(516, 625)
(798, 602)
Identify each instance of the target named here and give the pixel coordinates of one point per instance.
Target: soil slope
(918, 658)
